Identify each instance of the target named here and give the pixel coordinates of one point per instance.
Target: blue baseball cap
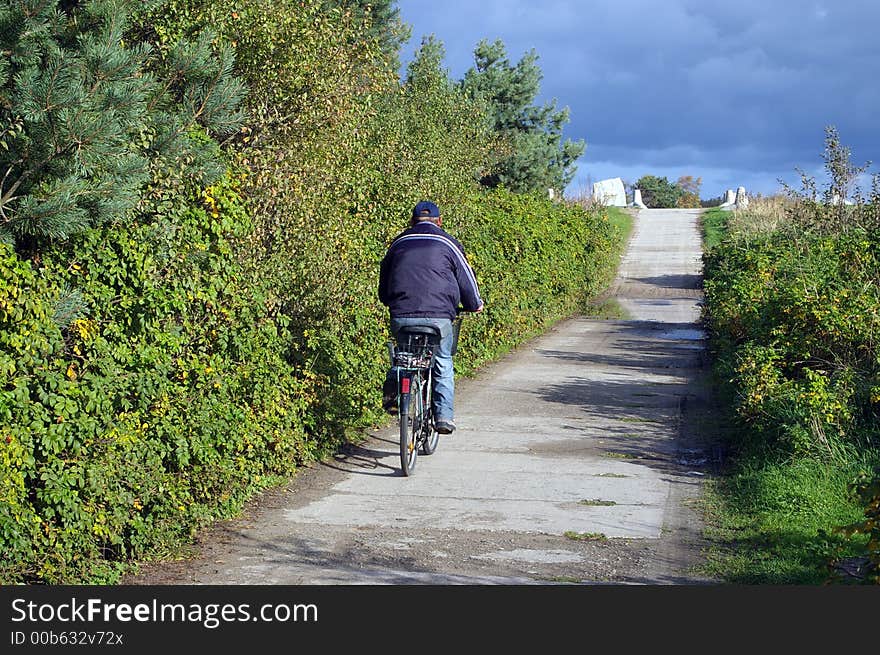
(426, 209)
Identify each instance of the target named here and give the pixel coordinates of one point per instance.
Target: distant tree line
(659, 192)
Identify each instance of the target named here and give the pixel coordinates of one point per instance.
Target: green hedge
(536, 261)
(793, 318)
(145, 392)
(151, 385)
(793, 324)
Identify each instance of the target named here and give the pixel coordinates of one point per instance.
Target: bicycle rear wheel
(410, 426)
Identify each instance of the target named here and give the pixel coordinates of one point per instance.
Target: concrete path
(578, 459)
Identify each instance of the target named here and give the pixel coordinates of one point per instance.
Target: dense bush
(536, 261)
(793, 325)
(793, 311)
(793, 305)
(159, 370)
(146, 390)
(690, 192)
(793, 321)
(658, 192)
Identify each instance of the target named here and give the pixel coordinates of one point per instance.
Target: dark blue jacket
(425, 273)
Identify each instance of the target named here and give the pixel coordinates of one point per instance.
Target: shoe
(445, 426)
(389, 396)
(390, 405)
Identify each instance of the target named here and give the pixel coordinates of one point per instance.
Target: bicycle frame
(413, 360)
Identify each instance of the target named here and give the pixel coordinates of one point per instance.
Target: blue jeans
(444, 375)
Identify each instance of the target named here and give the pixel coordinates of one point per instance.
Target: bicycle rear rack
(414, 350)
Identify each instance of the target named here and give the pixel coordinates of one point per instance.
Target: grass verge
(774, 520)
(777, 522)
(585, 536)
(623, 221)
(713, 224)
(603, 306)
(605, 309)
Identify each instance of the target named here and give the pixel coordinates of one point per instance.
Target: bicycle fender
(404, 397)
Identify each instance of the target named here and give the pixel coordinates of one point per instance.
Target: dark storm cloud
(735, 92)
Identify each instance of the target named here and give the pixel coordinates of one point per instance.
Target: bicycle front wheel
(429, 445)
(430, 437)
(410, 425)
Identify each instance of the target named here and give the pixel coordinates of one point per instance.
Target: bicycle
(412, 360)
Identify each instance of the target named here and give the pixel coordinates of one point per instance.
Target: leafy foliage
(866, 488)
(537, 262)
(690, 192)
(795, 325)
(167, 400)
(380, 20)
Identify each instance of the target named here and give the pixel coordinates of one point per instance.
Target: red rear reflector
(404, 385)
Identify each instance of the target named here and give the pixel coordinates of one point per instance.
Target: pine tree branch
(4, 201)
(49, 116)
(194, 118)
(7, 197)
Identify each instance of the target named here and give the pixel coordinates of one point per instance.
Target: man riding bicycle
(423, 279)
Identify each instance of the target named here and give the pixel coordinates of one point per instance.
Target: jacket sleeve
(467, 285)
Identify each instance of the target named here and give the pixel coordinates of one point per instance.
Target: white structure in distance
(729, 199)
(610, 192)
(637, 199)
(738, 200)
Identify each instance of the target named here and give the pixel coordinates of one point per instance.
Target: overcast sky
(737, 92)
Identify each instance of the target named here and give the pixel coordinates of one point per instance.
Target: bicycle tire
(410, 423)
(431, 436)
(429, 445)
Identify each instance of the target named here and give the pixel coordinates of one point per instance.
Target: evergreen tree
(85, 115)
(538, 159)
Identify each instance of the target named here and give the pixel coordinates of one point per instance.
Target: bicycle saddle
(420, 329)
